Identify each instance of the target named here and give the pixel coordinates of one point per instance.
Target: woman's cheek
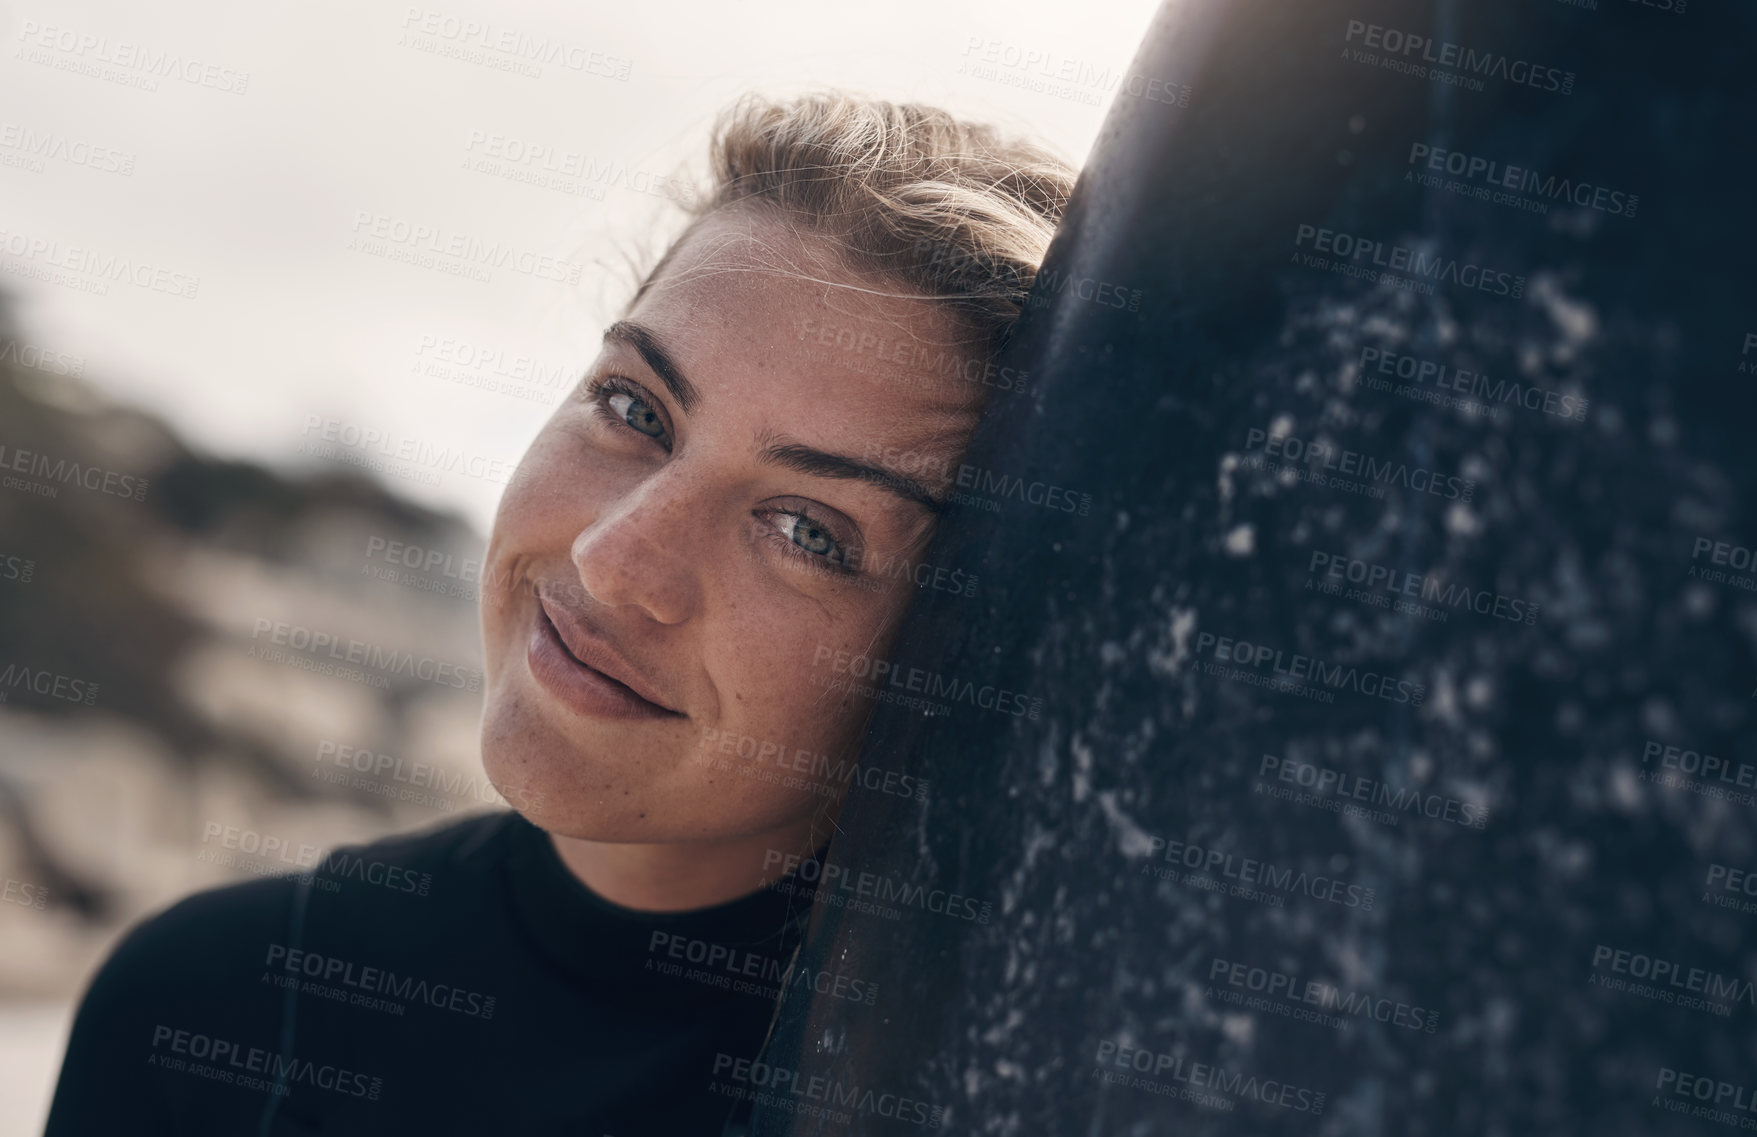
(760, 655)
(554, 493)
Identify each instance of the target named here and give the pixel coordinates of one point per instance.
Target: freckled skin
(678, 557)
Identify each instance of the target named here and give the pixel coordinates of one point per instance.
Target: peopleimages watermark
(385, 661)
(460, 254)
(1740, 559)
(1338, 791)
(1705, 1097)
(420, 783)
(1706, 774)
(1209, 1084)
(912, 357)
(1397, 265)
(380, 449)
(65, 472)
(879, 894)
(785, 1088)
(16, 570)
(863, 570)
(984, 488)
(1325, 464)
(1445, 61)
(1281, 990)
(980, 486)
(1727, 887)
(24, 894)
(1052, 283)
(119, 61)
(889, 680)
(36, 357)
(368, 987)
(1047, 283)
(1471, 390)
(319, 666)
(921, 574)
(268, 854)
(746, 972)
(1210, 868)
(777, 762)
(501, 47)
(494, 369)
(253, 1067)
(23, 147)
(1380, 585)
(462, 582)
(1295, 668)
(90, 270)
(572, 172)
(1668, 981)
(48, 683)
(1049, 72)
(467, 578)
(1507, 184)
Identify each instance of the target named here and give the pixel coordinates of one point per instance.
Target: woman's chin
(626, 789)
(558, 784)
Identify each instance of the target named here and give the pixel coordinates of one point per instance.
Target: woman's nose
(644, 551)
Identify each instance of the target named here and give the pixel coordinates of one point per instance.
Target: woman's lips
(583, 688)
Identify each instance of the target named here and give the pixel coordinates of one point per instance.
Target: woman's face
(722, 505)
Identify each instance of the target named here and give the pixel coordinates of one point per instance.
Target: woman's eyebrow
(809, 460)
(642, 340)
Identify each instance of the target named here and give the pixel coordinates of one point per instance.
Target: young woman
(712, 517)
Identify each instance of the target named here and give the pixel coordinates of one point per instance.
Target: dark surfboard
(1351, 730)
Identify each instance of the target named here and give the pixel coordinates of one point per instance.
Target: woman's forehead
(738, 264)
(750, 309)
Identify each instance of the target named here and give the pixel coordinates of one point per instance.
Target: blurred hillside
(202, 663)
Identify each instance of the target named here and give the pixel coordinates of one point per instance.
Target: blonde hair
(951, 210)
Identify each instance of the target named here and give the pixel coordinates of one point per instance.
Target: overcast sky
(205, 202)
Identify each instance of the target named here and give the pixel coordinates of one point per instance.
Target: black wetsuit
(458, 980)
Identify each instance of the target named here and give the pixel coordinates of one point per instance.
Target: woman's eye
(636, 413)
(811, 536)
